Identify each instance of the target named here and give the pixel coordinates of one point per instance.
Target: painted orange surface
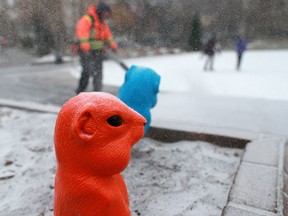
(94, 134)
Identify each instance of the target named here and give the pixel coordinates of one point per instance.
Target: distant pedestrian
(240, 46)
(93, 36)
(210, 47)
(4, 44)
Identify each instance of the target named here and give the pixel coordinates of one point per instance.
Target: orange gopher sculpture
(94, 134)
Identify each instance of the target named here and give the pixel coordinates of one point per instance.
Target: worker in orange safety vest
(93, 36)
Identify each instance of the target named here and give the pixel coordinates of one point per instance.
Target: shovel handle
(117, 60)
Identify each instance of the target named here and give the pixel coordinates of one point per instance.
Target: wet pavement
(45, 84)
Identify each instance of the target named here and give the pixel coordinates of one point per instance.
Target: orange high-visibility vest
(93, 37)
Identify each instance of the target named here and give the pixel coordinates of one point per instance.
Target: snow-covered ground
(185, 178)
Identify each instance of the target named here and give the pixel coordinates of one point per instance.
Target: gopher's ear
(84, 125)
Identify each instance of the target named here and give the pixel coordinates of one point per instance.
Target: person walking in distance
(209, 50)
(93, 36)
(240, 46)
(4, 44)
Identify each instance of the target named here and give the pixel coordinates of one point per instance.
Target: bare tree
(50, 24)
(7, 23)
(267, 18)
(56, 22)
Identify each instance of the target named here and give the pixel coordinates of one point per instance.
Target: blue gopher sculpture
(139, 91)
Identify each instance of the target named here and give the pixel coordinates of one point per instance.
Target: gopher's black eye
(114, 121)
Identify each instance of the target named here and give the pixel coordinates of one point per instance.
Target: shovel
(114, 58)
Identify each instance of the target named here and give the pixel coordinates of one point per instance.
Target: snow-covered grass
(27, 162)
(184, 178)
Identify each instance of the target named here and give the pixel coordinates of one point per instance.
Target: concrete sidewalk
(259, 184)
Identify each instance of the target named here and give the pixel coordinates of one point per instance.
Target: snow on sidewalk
(184, 178)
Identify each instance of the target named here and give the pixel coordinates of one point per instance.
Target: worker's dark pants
(92, 64)
(239, 60)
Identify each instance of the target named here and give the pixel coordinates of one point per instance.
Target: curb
(167, 135)
(285, 179)
(30, 106)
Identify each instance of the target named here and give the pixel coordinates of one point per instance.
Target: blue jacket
(139, 91)
(240, 45)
